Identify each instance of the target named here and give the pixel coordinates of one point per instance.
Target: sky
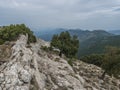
(83, 14)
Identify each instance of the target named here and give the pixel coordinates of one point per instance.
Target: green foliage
(96, 59)
(57, 59)
(70, 61)
(67, 44)
(45, 48)
(111, 63)
(97, 45)
(12, 32)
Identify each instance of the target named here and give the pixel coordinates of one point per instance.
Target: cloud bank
(85, 14)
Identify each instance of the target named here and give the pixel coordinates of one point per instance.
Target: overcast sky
(84, 14)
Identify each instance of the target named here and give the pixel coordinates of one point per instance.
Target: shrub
(111, 63)
(12, 32)
(96, 59)
(67, 44)
(70, 61)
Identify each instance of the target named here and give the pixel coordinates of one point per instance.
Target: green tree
(96, 59)
(111, 63)
(67, 44)
(12, 32)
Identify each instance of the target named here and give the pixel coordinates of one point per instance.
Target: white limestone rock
(34, 69)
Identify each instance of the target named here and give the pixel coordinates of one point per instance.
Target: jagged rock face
(16, 74)
(30, 68)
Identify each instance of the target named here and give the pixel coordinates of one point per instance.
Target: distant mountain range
(85, 35)
(91, 42)
(97, 45)
(47, 34)
(116, 32)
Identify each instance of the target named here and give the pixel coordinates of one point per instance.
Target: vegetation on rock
(67, 44)
(96, 59)
(111, 63)
(12, 32)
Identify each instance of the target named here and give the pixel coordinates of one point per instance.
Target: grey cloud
(87, 14)
(118, 9)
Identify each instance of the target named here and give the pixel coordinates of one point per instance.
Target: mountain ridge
(116, 32)
(88, 40)
(78, 32)
(31, 68)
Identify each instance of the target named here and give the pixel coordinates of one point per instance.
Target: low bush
(96, 59)
(12, 32)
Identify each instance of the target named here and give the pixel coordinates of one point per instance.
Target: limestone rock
(25, 76)
(1, 77)
(30, 68)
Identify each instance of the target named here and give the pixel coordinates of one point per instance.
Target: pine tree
(67, 44)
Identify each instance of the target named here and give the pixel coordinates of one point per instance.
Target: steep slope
(30, 68)
(97, 45)
(27, 70)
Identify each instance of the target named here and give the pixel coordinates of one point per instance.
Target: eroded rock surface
(5, 53)
(30, 68)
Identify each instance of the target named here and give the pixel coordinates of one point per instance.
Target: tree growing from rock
(67, 44)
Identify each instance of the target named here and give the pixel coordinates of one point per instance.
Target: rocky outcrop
(16, 74)
(92, 76)
(30, 68)
(5, 52)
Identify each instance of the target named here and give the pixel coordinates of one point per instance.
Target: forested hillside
(97, 45)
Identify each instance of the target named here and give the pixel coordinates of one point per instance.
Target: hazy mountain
(116, 32)
(90, 41)
(47, 34)
(94, 41)
(82, 34)
(98, 44)
(85, 35)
